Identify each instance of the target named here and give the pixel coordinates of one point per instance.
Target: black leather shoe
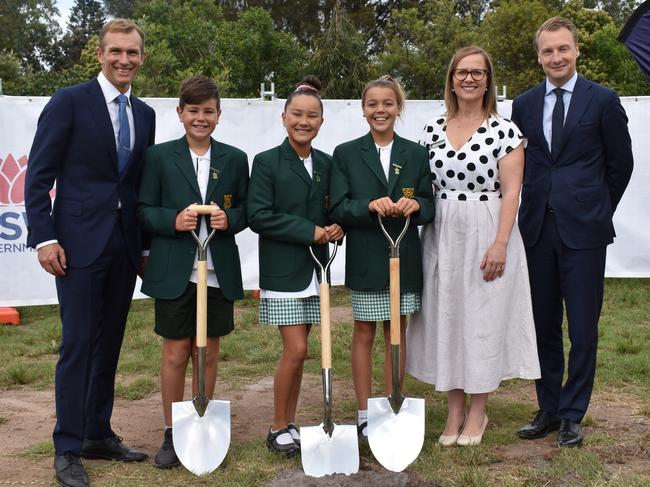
(570, 434)
(541, 425)
(166, 456)
(272, 444)
(111, 448)
(69, 471)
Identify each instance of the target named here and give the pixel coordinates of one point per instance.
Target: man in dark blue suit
(578, 164)
(91, 139)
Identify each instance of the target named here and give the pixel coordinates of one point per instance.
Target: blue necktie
(124, 137)
(557, 122)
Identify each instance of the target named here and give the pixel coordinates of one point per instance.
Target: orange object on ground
(9, 316)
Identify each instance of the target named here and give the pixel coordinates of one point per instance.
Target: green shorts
(176, 318)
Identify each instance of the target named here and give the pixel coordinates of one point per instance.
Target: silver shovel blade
(201, 443)
(325, 455)
(395, 439)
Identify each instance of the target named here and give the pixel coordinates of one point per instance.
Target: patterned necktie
(124, 137)
(557, 122)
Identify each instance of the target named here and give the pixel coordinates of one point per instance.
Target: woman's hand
(334, 232)
(494, 261)
(407, 206)
(218, 218)
(186, 220)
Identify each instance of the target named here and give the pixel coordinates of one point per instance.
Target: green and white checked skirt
(375, 305)
(290, 311)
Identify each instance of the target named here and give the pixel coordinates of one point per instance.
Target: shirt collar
(203, 157)
(568, 86)
(386, 147)
(109, 91)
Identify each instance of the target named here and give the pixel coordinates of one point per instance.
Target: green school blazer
(358, 178)
(284, 207)
(168, 186)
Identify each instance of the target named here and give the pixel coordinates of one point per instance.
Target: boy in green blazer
(192, 169)
(379, 173)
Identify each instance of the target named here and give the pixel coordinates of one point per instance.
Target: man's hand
(52, 259)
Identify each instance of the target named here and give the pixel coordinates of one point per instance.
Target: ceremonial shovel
(201, 427)
(395, 423)
(328, 448)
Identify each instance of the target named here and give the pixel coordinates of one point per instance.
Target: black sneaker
(166, 456)
(295, 433)
(360, 428)
(289, 450)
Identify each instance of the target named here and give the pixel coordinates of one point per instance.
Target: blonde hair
(490, 95)
(554, 24)
(120, 25)
(386, 81)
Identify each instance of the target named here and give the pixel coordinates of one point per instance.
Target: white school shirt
(313, 289)
(201, 166)
(384, 157)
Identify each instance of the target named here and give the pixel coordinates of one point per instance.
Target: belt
(549, 209)
(117, 213)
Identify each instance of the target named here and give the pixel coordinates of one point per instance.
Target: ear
(283, 119)
(179, 111)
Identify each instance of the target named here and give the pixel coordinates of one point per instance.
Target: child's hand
(186, 220)
(320, 235)
(218, 218)
(407, 206)
(383, 206)
(334, 232)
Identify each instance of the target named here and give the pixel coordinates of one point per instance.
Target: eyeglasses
(476, 74)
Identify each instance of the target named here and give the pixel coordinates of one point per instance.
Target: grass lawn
(28, 355)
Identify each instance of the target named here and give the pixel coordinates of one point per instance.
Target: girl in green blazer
(379, 173)
(192, 169)
(288, 208)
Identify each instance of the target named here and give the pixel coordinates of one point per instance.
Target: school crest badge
(408, 192)
(227, 201)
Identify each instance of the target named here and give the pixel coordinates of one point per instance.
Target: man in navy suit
(578, 164)
(91, 139)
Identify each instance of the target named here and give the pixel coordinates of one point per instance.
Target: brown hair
(386, 81)
(554, 24)
(198, 89)
(490, 95)
(309, 86)
(120, 25)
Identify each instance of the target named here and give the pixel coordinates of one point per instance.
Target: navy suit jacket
(75, 145)
(584, 182)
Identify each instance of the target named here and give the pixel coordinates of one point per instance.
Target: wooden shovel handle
(394, 301)
(203, 209)
(202, 304)
(325, 327)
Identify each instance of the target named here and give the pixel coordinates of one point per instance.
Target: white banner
(254, 126)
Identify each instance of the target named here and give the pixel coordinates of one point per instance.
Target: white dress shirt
(384, 157)
(549, 103)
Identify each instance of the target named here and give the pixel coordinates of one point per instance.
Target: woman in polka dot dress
(475, 327)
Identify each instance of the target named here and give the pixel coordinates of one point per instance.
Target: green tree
(339, 59)
(28, 28)
(507, 34)
(86, 19)
(420, 45)
(120, 8)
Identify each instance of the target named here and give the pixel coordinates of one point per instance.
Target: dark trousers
(560, 275)
(94, 304)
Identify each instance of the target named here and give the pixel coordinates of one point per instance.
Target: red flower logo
(12, 180)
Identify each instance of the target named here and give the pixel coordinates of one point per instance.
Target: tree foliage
(86, 20)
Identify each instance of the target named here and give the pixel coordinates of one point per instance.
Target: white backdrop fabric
(254, 126)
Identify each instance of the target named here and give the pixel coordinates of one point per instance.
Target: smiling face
(557, 53)
(302, 118)
(199, 120)
(121, 57)
(468, 89)
(381, 110)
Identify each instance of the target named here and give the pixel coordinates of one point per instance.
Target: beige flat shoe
(468, 440)
(450, 440)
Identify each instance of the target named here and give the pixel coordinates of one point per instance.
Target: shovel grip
(203, 209)
(325, 327)
(202, 304)
(394, 301)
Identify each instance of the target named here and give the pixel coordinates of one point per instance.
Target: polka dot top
(471, 172)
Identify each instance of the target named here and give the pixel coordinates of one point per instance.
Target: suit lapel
(538, 110)
(371, 158)
(580, 99)
(397, 162)
(295, 163)
(183, 161)
(318, 171)
(217, 165)
(140, 135)
(99, 111)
